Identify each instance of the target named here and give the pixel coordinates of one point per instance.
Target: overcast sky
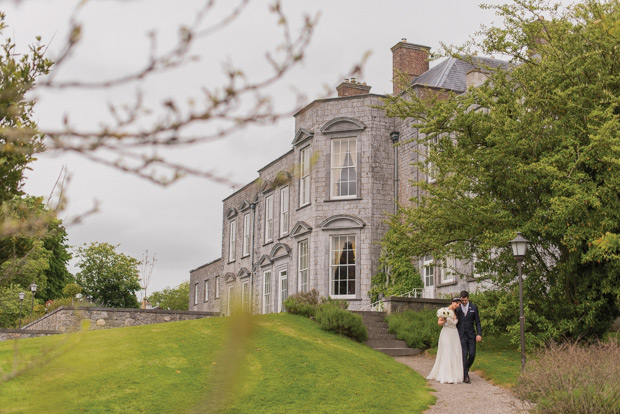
(182, 223)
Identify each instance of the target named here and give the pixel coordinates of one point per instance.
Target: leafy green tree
(19, 140)
(535, 149)
(40, 253)
(109, 277)
(10, 305)
(176, 298)
(57, 274)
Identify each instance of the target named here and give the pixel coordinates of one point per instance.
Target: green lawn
(269, 364)
(498, 361)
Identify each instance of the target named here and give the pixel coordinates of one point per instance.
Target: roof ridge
(446, 70)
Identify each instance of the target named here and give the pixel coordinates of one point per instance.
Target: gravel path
(479, 397)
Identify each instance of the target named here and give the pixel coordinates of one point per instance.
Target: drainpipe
(253, 208)
(394, 136)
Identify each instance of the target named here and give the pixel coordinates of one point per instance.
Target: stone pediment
(282, 179)
(264, 260)
(279, 250)
(301, 136)
(300, 228)
(231, 213)
(342, 222)
(229, 277)
(266, 186)
(244, 206)
(243, 272)
(342, 124)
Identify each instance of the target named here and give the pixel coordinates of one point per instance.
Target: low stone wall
(69, 319)
(8, 334)
(395, 304)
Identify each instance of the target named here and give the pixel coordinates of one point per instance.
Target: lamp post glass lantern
(33, 288)
(22, 295)
(519, 247)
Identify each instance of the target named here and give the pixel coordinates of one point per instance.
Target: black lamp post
(33, 288)
(22, 295)
(519, 247)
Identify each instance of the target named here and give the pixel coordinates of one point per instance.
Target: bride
(449, 361)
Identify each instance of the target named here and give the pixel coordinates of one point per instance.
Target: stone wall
(69, 319)
(395, 304)
(8, 334)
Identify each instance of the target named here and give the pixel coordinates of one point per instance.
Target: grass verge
(267, 364)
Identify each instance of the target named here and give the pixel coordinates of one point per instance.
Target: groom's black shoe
(466, 380)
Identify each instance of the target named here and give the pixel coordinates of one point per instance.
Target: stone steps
(380, 338)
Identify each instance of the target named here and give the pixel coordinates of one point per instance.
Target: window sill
(304, 206)
(284, 236)
(349, 299)
(245, 255)
(231, 261)
(267, 242)
(448, 283)
(332, 200)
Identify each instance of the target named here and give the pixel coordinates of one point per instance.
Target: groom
(470, 332)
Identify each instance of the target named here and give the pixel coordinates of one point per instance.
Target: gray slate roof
(451, 72)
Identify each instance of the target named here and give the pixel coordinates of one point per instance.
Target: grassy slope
(286, 365)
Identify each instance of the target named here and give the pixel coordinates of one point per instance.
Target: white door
(230, 299)
(429, 277)
(283, 291)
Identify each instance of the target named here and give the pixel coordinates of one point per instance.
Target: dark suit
(468, 327)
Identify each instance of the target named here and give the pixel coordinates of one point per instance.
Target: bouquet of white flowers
(444, 313)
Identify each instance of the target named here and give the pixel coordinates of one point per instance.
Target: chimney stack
(352, 87)
(408, 62)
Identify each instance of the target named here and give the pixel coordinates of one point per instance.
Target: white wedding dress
(448, 366)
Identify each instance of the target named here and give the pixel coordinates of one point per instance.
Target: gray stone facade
(341, 221)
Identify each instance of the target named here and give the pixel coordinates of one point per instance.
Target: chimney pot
(352, 88)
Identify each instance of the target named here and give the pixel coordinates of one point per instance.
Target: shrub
(331, 317)
(303, 303)
(418, 328)
(342, 304)
(71, 289)
(499, 313)
(573, 378)
(57, 303)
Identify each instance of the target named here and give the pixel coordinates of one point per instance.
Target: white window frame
(269, 218)
(304, 177)
(282, 295)
(335, 172)
(245, 295)
(230, 299)
(429, 271)
(284, 211)
(267, 291)
(217, 287)
(333, 266)
(206, 290)
(246, 235)
(196, 294)
(447, 271)
(432, 173)
(303, 268)
(232, 240)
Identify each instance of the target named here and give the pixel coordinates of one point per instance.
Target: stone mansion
(315, 216)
